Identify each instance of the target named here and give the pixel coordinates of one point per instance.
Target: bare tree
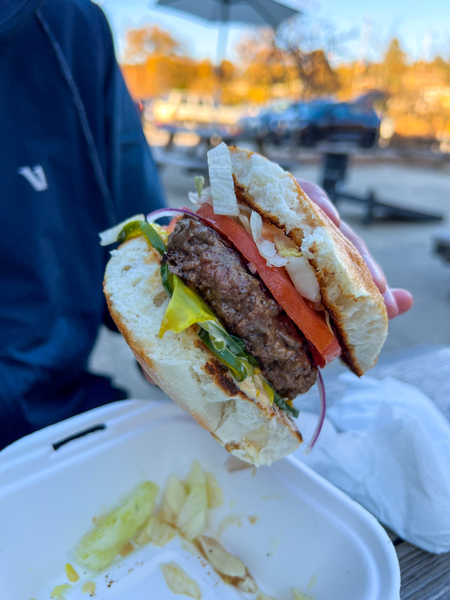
(147, 41)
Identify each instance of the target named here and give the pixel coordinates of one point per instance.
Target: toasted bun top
(347, 289)
(184, 368)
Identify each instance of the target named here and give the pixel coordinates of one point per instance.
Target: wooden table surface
(425, 576)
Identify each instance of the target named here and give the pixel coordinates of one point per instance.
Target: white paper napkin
(387, 446)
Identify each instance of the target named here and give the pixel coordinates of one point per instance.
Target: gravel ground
(404, 251)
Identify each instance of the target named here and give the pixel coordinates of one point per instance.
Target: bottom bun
(182, 366)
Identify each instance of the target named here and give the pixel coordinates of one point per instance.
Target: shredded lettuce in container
(59, 590)
(215, 496)
(156, 531)
(100, 546)
(179, 581)
(89, 588)
(191, 519)
(224, 562)
(298, 595)
(174, 498)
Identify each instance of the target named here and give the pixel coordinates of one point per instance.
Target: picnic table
(442, 245)
(424, 576)
(193, 158)
(334, 172)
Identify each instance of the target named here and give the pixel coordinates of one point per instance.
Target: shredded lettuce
(59, 590)
(199, 183)
(99, 547)
(221, 181)
(221, 559)
(298, 595)
(304, 278)
(179, 581)
(156, 531)
(174, 498)
(265, 247)
(215, 496)
(191, 519)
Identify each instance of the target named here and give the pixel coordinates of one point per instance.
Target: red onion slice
(323, 408)
(171, 212)
(167, 212)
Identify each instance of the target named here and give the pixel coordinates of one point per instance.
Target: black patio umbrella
(252, 12)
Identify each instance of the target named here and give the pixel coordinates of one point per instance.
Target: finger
(378, 276)
(142, 370)
(403, 299)
(147, 377)
(318, 196)
(376, 271)
(391, 304)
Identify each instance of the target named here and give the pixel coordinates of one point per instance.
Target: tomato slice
(323, 342)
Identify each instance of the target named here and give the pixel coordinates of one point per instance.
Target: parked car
(334, 122)
(281, 125)
(261, 125)
(189, 109)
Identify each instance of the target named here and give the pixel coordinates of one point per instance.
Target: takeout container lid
(290, 526)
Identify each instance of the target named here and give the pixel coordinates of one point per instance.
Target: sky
(422, 27)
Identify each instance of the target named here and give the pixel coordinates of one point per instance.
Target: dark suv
(335, 123)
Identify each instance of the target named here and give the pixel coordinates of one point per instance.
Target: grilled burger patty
(208, 265)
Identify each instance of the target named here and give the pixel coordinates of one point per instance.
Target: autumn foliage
(416, 94)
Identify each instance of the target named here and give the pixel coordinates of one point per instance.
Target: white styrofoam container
(307, 533)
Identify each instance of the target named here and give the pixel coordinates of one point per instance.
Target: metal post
(223, 31)
(371, 201)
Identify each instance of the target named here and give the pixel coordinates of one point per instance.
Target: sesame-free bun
(184, 368)
(348, 293)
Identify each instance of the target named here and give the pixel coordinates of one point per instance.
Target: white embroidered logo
(35, 176)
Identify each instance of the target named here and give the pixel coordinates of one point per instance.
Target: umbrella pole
(222, 41)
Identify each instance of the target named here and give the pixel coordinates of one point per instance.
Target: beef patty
(208, 265)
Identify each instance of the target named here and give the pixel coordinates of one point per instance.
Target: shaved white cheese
(304, 278)
(221, 180)
(266, 249)
(245, 221)
(299, 270)
(109, 236)
(204, 198)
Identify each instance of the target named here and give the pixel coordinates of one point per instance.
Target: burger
(234, 307)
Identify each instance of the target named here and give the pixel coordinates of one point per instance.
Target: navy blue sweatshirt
(73, 161)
